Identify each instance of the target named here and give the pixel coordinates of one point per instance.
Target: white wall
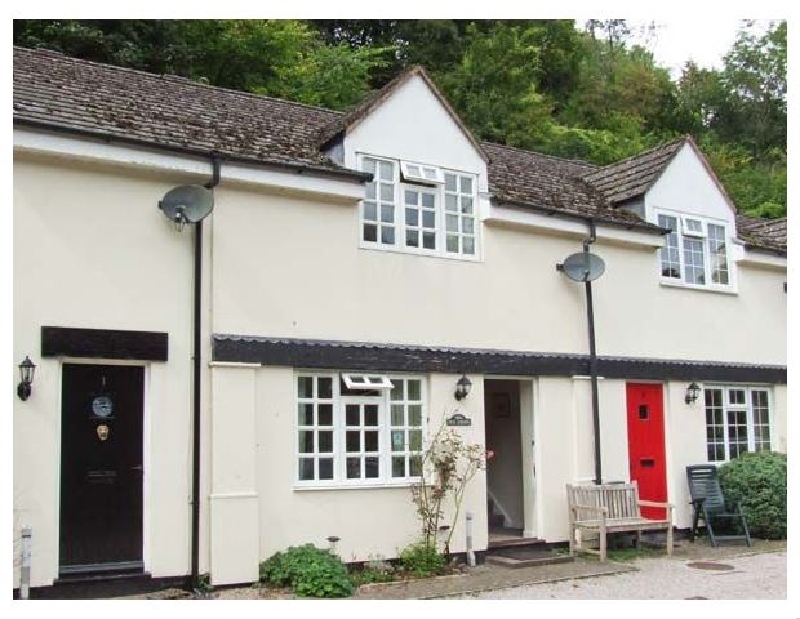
(92, 250)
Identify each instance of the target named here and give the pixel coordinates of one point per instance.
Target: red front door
(646, 445)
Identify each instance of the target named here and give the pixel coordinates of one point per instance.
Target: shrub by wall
(758, 480)
(310, 571)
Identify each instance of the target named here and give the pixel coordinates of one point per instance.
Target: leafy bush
(758, 480)
(310, 571)
(422, 560)
(370, 575)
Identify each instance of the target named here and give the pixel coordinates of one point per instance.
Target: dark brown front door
(101, 467)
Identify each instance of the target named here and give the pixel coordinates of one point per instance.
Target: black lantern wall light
(462, 387)
(692, 392)
(26, 371)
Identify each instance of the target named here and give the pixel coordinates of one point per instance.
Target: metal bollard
(25, 565)
(470, 554)
(332, 541)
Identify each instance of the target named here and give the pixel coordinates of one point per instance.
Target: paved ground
(750, 573)
(760, 576)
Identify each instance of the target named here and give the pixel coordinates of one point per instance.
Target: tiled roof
(762, 233)
(525, 177)
(53, 89)
(633, 176)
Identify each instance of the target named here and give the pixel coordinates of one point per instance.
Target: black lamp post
(462, 387)
(26, 371)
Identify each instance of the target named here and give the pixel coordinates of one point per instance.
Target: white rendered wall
(91, 250)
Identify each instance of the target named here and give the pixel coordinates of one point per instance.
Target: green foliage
(758, 480)
(369, 575)
(422, 560)
(310, 571)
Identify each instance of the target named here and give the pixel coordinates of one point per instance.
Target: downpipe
(598, 477)
(196, 378)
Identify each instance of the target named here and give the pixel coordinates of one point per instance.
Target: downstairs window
(737, 421)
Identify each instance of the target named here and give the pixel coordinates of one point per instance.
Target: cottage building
(354, 267)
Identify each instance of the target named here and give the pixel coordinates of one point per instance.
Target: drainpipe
(198, 297)
(593, 361)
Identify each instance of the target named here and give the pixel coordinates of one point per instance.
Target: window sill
(375, 486)
(670, 284)
(424, 254)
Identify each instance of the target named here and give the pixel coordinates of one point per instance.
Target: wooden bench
(611, 508)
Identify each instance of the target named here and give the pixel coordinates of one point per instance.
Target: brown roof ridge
(538, 153)
(375, 99)
(174, 77)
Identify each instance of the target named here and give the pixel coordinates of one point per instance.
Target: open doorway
(504, 471)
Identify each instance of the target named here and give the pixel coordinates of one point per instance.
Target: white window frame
(749, 408)
(421, 185)
(406, 168)
(368, 382)
(682, 231)
(339, 432)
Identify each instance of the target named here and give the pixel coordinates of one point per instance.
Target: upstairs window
(695, 252)
(419, 208)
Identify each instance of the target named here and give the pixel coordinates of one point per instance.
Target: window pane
(414, 389)
(397, 415)
(415, 466)
(412, 238)
(325, 414)
(370, 441)
(370, 211)
(397, 390)
(429, 240)
(353, 466)
(371, 467)
(450, 202)
(415, 440)
(415, 415)
(370, 233)
(450, 182)
(326, 468)
(387, 192)
(387, 213)
(387, 236)
(428, 200)
(451, 223)
(413, 170)
(412, 197)
(325, 442)
(398, 440)
(429, 173)
(399, 466)
(466, 184)
(306, 442)
(369, 191)
(468, 225)
(371, 415)
(466, 205)
(452, 243)
(325, 388)
(412, 217)
(386, 171)
(368, 165)
(429, 219)
(306, 472)
(353, 441)
(353, 415)
(305, 387)
(305, 414)
(469, 245)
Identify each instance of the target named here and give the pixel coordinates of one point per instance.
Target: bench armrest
(642, 503)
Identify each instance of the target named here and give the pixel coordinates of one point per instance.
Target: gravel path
(760, 576)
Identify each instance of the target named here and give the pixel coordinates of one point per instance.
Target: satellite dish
(187, 204)
(583, 267)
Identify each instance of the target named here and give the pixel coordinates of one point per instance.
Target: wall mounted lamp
(462, 387)
(26, 371)
(692, 392)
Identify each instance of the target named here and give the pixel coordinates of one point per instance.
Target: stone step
(530, 559)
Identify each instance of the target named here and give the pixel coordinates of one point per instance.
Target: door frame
(528, 420)
(146, 455)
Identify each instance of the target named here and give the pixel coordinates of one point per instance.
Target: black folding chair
(709, 504)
